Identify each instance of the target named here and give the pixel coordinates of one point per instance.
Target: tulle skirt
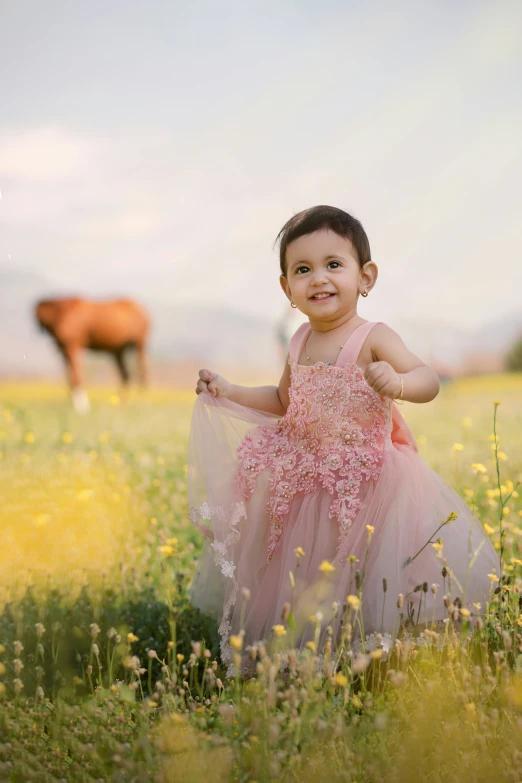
(387, 544)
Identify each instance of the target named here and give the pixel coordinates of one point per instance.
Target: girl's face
(323, 276)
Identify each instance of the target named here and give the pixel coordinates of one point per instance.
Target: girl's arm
(393, 360)
(272, 399)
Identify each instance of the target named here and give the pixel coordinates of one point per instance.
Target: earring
(292, 304)
(364, 293)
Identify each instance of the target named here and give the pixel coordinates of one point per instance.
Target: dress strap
(297, 341)
(352, 347)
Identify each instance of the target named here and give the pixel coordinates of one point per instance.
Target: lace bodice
(333, 435)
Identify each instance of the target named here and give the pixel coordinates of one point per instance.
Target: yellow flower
(236, 642)
(67, 437)
(502, 455)
(478, 606)
(437, 546)
(356, 701)
(326, 567)
(311, 646)
(166, 550)
(370, 529)
(298, 552)
(41, 519)
(469, 493)
(29, 437)
(478, 467)
(506, 510)
(457, 447)
(341, 679)
(353, 601)
(131, 637)
(114, 399)
(465, 612)
(451, 517)
(179, 657)
(489, 530)
(493, 577)
(84, 494)
(153, 521)
(279, 630)
(172, 541)
(496, 403)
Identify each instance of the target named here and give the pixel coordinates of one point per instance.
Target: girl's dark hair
(320, 218)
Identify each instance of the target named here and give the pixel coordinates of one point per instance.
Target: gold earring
(292, 304)
(364, 293)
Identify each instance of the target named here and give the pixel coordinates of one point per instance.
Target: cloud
(46, 154)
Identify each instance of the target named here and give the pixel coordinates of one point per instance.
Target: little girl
(292, 485)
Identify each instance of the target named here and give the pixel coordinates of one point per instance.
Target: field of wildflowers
(108, 673)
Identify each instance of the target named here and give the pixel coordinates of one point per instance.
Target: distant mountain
(219, 337)
(456, 350)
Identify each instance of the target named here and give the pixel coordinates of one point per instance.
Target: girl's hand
(383, 379)
(213, 383)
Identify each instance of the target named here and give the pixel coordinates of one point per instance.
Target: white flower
(228, 568)
(219, 546)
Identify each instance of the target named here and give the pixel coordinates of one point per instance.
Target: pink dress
(341, 458)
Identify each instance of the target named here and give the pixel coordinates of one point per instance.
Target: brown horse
(111, 326)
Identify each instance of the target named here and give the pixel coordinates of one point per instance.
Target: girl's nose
(320, 278)
(320, 275)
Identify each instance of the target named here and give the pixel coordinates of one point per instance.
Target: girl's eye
(306, 268)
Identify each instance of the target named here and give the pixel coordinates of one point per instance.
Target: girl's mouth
(321, 297)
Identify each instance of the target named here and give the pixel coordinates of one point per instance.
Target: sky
(157, 148)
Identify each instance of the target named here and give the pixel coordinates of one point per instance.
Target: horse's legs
(71, 355)
(142, 364)
(124, 373)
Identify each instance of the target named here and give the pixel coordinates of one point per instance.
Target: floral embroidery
(221, 549)
(332, 435)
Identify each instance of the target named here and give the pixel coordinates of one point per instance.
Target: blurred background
(154, 150)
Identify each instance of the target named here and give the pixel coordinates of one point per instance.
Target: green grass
(101, 674)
